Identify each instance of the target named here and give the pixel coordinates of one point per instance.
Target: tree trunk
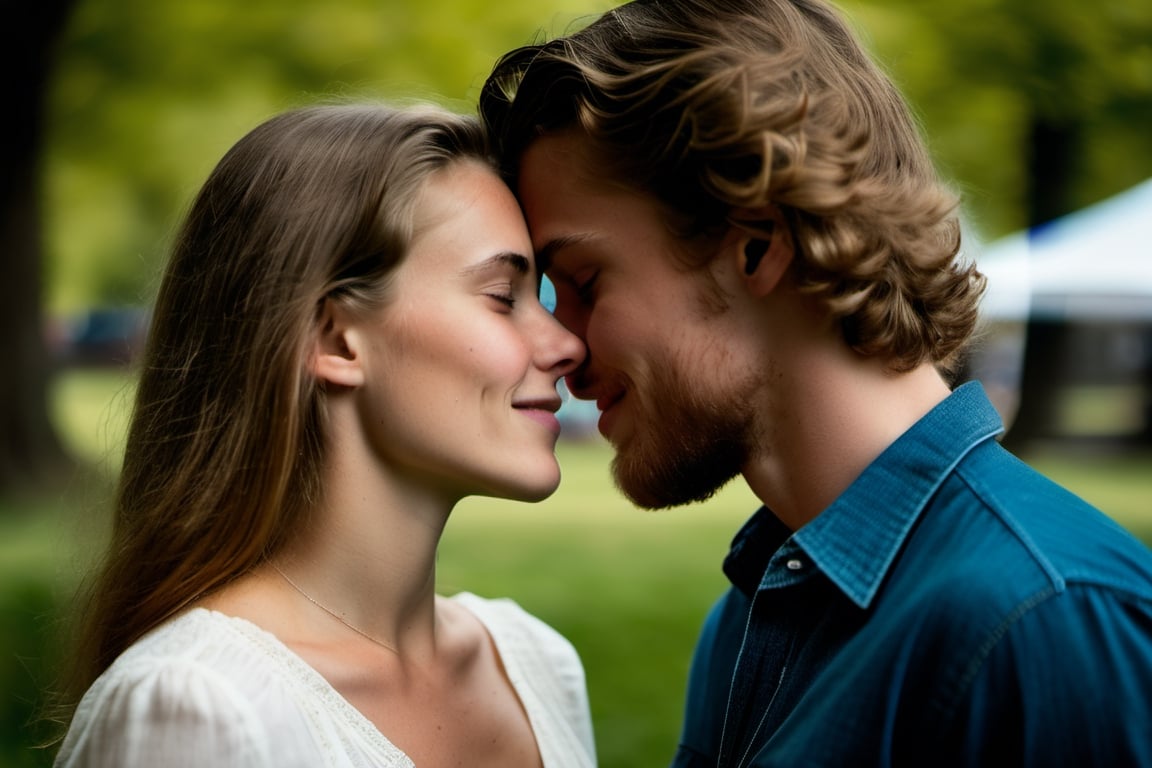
(30, 452)
(1054, 146)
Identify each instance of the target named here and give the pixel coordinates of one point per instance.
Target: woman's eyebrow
(517, 261)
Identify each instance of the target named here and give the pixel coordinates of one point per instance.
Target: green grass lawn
(628, 587)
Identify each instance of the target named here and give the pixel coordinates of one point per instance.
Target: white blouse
(206, 689)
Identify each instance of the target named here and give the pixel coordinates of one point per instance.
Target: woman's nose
(563, 350)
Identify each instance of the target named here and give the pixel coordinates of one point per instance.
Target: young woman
(347, 341)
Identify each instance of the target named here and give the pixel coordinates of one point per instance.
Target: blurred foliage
(150, 93)
(980, 72)
(27, 606)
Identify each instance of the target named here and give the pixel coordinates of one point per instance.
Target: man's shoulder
(1043, 525)
(999, 541)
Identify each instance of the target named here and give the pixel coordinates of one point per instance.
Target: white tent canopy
(1094, 264)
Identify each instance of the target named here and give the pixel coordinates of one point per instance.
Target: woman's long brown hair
(226, 439)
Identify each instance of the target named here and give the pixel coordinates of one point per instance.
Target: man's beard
(692, 447)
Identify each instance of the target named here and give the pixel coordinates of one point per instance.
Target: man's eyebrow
(517, 261)
(547, 253)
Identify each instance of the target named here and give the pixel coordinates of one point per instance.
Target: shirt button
(794, 564)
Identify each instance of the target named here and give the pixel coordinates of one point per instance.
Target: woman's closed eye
(503, 294)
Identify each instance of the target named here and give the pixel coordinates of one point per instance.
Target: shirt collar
(855, 540)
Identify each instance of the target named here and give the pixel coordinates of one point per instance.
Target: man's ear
(336, 355)
(760, 242)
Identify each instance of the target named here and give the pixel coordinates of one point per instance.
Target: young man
(744, 226)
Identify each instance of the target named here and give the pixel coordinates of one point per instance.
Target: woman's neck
(368, 553)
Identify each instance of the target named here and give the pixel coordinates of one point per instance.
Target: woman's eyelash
(504, 298)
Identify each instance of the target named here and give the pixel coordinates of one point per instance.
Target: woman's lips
(541, 416)
(542, 412)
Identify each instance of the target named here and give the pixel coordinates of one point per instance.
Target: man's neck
(828, 421)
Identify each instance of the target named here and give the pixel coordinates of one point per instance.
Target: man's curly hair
(714, 105)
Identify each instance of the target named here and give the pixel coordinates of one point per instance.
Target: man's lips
(606, 403)
(607, 400)
(604, 392)
(606, 397)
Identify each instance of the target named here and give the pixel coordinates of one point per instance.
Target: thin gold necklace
(331, 612)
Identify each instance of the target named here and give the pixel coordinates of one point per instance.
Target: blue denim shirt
(952, 607)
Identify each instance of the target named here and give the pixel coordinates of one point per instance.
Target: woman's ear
(336, 356)
(760, 242)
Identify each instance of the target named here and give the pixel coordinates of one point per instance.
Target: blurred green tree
(150, 94)
(1035, 107)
